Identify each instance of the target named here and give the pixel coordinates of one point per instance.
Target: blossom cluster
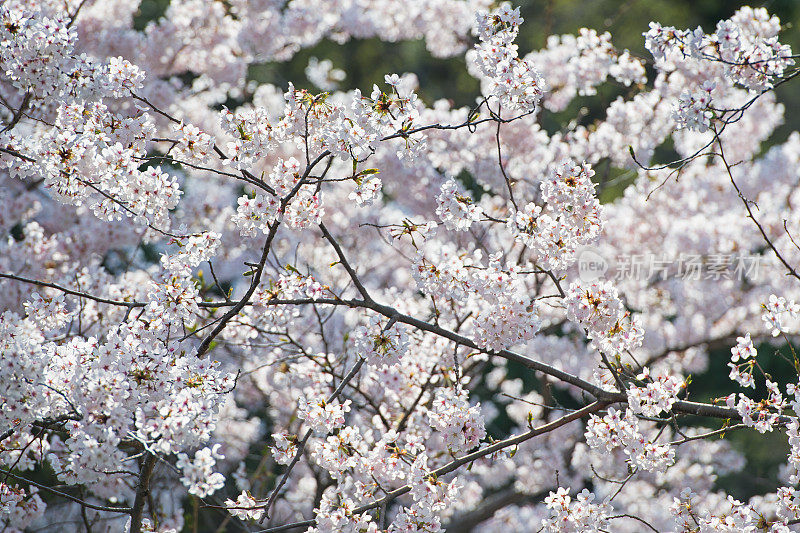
(359, 309)
(504, 315)
(777, 311)
(577, 64)
(322, 416)
(745, 351)
(571, 217)
(37, 54)
(655, 397)
(732, 515)
(597, 307)
(322, 74)
(617, 430)
(694, 109)
(18, 507)
(430, 495)
(578, 515)
(93, 157)
(198, 473)
(746, 45)
(245, 507)
(455, 209)
(758, 414)
(511, 79)
(380, 343)
(461, 425)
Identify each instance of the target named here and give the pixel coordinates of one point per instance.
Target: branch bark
(142, 491)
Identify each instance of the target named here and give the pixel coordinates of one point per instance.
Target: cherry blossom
(244, 507)
(198, 473)
(460, 424)
(655, 397)
(597, 307)
(362, 310)
(455, 209)
(322, 416)
(580, 515)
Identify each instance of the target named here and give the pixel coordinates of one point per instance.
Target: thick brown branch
(142, 491)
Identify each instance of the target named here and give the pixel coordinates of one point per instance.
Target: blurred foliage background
(366, 61)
